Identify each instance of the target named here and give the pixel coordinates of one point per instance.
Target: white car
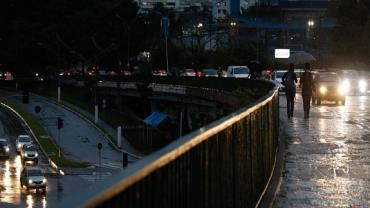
(22, 140)
(29, 153)
(238, 72)
(33, 178)
(277, 77)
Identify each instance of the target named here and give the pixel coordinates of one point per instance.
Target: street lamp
(200, 25)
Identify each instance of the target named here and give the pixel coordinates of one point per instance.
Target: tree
(352, 31)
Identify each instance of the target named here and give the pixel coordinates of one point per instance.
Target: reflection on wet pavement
(328, 155)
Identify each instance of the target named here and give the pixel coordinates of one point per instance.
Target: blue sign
(165, 27)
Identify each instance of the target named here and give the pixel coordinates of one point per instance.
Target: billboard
(282, 53)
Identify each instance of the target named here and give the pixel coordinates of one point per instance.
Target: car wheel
(44, 190)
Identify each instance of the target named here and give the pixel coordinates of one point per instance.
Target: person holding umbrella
(307, 84)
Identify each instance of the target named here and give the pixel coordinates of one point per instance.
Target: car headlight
(36, 154)
(362, 86)
(44, 180)
(7, 149)
(19, 145)
(29, 181)
(323, 89)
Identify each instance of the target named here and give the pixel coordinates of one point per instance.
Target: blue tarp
(155, 119)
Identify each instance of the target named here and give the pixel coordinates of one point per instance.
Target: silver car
(33, 178)
(29, 153)
(4, 148)
(22, 140)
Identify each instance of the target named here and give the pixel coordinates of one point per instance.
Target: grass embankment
(43, 138)
(142, 137)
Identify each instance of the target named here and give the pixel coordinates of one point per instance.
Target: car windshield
(30, 148)
(350, 74)
(24, 139)
(241, 70)
(328, 77)
(35, 172)
(279, 74)
(210, 71)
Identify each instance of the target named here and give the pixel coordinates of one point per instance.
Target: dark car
(328, 86)
(4, 148)
(210, 72)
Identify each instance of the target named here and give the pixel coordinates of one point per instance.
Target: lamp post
(233, 25)
(199, 34)
(310, 25)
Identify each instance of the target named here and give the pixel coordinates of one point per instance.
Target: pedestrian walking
(219, 72)
(307, 85)
(289, 80)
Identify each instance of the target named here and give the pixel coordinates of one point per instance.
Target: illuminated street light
(200, 25)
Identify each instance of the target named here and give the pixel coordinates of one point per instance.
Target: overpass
(227, 163)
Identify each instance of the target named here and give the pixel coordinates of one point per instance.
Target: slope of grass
(43, 138)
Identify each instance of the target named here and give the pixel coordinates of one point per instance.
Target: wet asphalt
(13, 195)
(327, 156)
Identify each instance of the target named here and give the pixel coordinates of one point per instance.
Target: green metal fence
(225, 164)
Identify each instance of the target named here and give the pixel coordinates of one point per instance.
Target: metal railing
(227, 163)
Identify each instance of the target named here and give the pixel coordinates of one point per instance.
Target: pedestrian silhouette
(307, 85)
(289, 80)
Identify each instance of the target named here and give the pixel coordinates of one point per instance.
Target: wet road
(11, 194)
(328, 155)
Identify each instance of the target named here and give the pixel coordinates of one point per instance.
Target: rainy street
(327, 156)
(11, 193)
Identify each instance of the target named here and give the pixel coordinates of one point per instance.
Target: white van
(238, 72)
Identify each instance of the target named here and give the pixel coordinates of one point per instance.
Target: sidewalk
(78, 138)
(327, 155)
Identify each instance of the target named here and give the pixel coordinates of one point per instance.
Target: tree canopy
(352, 31)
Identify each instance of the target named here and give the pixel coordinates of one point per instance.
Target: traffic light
(25, 97)
(60, 123)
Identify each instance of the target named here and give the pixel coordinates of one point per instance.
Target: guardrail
(227, 163)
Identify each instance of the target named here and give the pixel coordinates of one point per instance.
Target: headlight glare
(30, 181)
(362, 86)
(44, 180)
(7, 149)
(323, 89)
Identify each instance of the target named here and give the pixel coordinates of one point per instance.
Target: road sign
(165, 27)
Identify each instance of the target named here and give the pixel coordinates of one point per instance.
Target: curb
(52, 100)
(51, 162)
